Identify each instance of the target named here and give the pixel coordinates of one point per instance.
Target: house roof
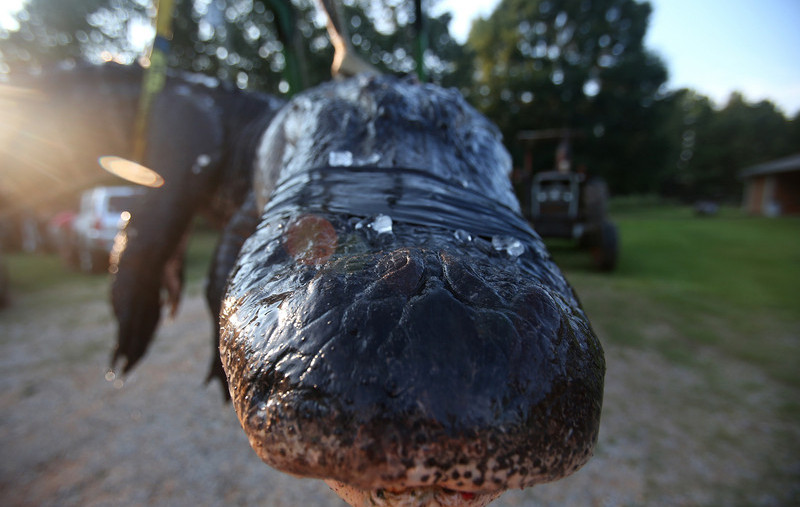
(781, 165)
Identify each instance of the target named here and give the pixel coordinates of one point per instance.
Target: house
(773, 188)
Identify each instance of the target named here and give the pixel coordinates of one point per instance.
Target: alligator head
(394, 326)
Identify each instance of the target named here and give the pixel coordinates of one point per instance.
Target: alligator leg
(241, 226)
(174, 275)
(150, 246)
(140, 272)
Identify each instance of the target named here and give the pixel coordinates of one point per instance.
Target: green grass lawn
(683, 283)
(35, 272)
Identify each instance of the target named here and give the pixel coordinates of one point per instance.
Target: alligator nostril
(467, 285)
(537, 308)
(400, 274)
(393, 261)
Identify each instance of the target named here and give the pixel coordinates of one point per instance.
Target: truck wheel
(4, 283)
(70, 253)
(85, 259)
(91, 261)
(100, 261)
(605, 249)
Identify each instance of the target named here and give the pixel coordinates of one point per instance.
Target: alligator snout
(398, 333)
(412, 368)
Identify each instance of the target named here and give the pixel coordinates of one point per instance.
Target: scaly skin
(394, 326)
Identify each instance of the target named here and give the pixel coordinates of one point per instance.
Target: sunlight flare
(131, 171)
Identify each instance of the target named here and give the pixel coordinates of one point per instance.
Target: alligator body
(391, 324)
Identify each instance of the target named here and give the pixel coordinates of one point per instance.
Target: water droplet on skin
(382, 224)
(340, 158)
(369, 160)
(462, 236)
(200, 163)
(512, 246)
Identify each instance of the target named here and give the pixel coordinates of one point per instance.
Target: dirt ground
(72, 434)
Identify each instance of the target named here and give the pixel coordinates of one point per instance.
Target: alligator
(388, 321)
(391, 324)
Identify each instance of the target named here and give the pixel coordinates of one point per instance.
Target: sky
(712, 46)
(6, 8)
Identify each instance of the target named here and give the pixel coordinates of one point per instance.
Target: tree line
(532, 64)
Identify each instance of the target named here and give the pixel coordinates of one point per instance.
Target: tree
(236, 40)
(794, 133)
(579, 64)
(685, 128)
(242, 41)
(384, 33)
(51, 32)
(715, 145)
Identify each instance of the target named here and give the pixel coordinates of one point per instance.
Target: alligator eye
(310, 240)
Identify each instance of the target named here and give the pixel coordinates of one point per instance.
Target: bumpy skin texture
(445, 350)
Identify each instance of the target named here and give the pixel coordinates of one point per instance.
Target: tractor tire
(605, 247)
(595, 200)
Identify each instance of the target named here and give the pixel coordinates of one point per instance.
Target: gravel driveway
(73, 434)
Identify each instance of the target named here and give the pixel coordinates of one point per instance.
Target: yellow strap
(164, 18)
(154, 75)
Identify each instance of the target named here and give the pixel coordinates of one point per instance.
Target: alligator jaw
(413, 497)
(412, 369)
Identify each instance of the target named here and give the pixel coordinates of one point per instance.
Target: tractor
(569, 204)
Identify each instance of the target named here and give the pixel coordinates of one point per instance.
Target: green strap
(420, 40)
(285, 22)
